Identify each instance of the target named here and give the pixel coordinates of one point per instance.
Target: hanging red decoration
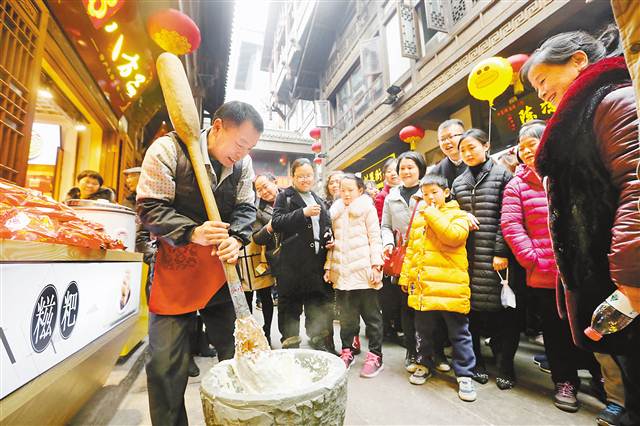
(317, 160)
(411, 135)
(283, 160)
(517, 61)
(174, 31)
(315, 133)
(316, 147)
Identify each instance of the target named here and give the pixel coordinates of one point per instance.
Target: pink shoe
(347, 356)
(372, 366)
(356, 345)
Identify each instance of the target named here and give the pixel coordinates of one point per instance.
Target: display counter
(65, 313)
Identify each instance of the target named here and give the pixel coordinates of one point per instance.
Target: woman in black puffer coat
(479, 191)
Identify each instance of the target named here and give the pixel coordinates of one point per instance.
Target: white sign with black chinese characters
(49, 311)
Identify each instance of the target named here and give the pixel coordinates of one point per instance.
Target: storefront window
(398, 64)
(54, 136)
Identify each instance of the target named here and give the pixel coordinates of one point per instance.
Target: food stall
(69, 299)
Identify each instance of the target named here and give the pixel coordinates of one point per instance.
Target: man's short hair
(238, 112)
(451, 122)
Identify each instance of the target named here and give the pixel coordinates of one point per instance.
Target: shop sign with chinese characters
(112, 42)
(375, 173)
(509, 118)
(50, 311)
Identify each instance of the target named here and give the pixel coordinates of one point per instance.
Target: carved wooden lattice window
(20, 47)
(436, 18)
(408, 32)
(443, 15)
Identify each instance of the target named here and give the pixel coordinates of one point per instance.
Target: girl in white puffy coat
(354, 267)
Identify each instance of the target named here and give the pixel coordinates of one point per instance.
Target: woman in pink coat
(525, 227)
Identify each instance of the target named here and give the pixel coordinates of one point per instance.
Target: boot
(292, 342)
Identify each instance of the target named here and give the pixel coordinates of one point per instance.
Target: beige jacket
(358, 244)
(627, 14)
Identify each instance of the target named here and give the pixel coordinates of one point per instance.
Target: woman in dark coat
(301, 217)
(257, 276)
(479, 191)
(589, 154)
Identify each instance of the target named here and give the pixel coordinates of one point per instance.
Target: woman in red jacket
(589, 154)
(525, 227)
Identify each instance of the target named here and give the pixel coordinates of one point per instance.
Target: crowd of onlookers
(488, 248)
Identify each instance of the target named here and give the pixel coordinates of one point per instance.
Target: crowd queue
(461, 254)
(558, 226)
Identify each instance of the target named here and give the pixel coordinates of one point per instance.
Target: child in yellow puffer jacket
(435, 274)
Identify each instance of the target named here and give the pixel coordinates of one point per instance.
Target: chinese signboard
(50, 311)
(508, 119)
(375, 173)
(112, 43)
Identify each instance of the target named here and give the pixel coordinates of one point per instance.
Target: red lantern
(316, 147)
(315, 133)
(174, 31)
(317, 160)
(283, 160)
(517, 61)
(412, 135)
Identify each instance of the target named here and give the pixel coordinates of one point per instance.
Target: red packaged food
(28, 215)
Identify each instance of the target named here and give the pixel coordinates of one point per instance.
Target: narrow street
(389, 399)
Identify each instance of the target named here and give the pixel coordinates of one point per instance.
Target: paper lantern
(490, 78)
(411, 135)
(283, 160)
(517, 61)
(315, 133)
(316, 147)
(317, 160)
(174, 31)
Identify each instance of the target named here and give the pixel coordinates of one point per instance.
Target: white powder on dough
(271, 372)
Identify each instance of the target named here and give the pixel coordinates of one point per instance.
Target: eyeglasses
(450, 137)
(304, 177)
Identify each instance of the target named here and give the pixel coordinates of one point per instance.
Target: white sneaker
(443, 366)
(466, 389)
(420, 375)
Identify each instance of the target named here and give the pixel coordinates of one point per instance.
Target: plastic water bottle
(611, 316)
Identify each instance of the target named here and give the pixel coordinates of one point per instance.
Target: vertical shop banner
(49, 311)
(374, 172)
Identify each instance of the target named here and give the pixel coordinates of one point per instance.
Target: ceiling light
(81, 127)
(45, 94)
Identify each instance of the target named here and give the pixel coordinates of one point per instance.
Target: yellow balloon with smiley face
(490, 78)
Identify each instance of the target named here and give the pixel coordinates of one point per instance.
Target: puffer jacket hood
(357, 244)
(525, 227)
(435, 266)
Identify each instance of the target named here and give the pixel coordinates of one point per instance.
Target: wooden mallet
(184, 116)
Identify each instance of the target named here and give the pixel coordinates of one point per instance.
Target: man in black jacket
(188, 274)
(451, 166)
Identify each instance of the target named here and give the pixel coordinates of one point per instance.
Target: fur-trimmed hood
(358, 207)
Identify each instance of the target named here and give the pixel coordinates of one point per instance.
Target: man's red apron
(185, 278)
